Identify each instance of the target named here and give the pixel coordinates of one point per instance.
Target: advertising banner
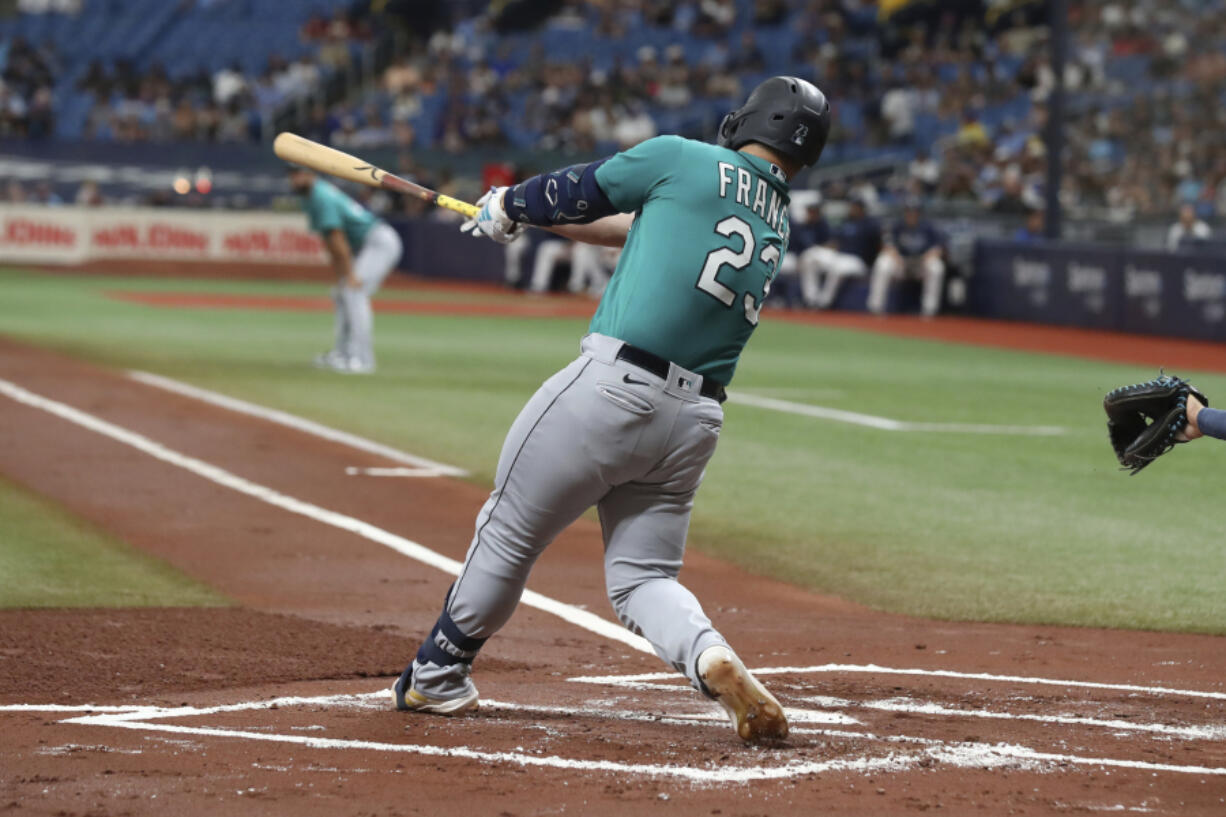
(79, 235)
(1181, 294)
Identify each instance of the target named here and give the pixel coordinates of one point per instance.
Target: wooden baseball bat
(295, 149)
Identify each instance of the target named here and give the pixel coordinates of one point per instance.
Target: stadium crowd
(135, 104)
(957, 88)
(27, 76)
(963, 94)
(138, 106)
(1143, 137)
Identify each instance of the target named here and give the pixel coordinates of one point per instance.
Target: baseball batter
(363, 249)
(630, 425)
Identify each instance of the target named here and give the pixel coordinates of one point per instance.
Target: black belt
(659, 367)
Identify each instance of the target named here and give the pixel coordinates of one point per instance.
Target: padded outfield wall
(1181, 294)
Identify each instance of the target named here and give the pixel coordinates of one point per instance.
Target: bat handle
(462, 207)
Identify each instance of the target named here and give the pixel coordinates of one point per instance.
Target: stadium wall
(81, 236)
(169, 241)
(1180, 294)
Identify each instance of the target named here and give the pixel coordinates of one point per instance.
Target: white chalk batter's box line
(412, 464)
(904, 752)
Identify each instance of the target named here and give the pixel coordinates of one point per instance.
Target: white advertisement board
(79, 235)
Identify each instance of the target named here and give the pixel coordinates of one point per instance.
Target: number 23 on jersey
(738, 260)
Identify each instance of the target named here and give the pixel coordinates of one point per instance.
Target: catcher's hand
(1146, 420)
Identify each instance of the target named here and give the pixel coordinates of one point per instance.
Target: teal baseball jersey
(709, 233)
(328, 209)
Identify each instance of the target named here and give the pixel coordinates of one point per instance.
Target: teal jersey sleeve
(329, 209)
(326, 215)
(629, 178)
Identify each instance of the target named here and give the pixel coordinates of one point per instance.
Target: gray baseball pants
(355, 323)
(600, 432)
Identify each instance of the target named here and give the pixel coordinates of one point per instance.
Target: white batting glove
(469, 225)
(493, 221)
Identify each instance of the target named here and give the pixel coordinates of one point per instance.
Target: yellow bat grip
(463, 207)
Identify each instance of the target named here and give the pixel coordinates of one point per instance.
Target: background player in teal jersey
(630, 425)
(363, 250)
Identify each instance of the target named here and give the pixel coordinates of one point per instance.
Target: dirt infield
(127, 653)
(337, 576)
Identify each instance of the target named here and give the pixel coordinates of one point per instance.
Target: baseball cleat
(755, 713)
(336, 362)
(333, 360)
(407, 699)
(355, 365)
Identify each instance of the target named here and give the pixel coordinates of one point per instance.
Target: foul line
(143, 718)
(430, 467)
(220, 476)
(886, 423)
(874, 669)
(718, 775)
(963, 754)
(70, 708)
(1212, 732)
(979, 756)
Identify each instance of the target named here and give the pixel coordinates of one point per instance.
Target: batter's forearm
(338, 251)
(563, 197)
(341, 266)
(610, 231)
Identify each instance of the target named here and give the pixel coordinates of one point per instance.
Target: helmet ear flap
(726, 129)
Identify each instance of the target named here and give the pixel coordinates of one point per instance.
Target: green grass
(49, 558)
(1037, 529)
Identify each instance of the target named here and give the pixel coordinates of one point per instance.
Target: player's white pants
(354, 319)
(822, 273)
(590, 265)
(513, 260)
(549, 253)
(590, 268)
(890, 267)
(607, 433)
(789, 265)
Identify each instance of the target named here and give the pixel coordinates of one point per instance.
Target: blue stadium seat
(72, 113)
(1129, 69)
(776, 45)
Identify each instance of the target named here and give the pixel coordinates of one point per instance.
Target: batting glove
(493, 220)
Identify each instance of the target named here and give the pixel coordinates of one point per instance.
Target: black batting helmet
(787, 114)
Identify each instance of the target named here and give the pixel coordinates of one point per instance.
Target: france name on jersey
(328, 209)
(710, 228)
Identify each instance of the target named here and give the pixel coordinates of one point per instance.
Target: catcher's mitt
(1145, 420)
